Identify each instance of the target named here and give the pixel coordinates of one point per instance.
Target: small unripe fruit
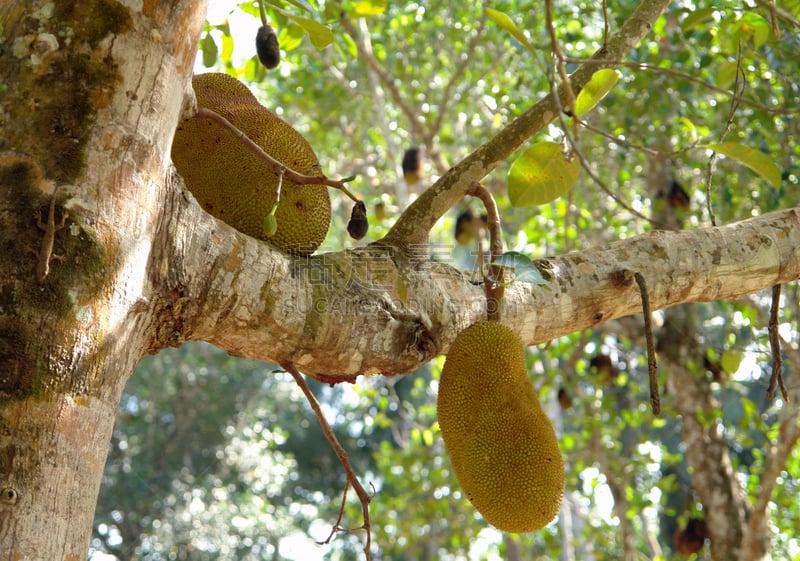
(267, 48)
(270, 225)
(358, 225)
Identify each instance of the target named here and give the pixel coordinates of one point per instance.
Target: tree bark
(92, 94)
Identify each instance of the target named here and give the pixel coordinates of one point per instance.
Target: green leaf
(370, 8)
(210, 51)
(753, 25)
(524, 269)
(696, 17)
(290, 37)
(689, 126)
(302, 4)
(224, 27)
(508, 24)
(726, 75)
(595, 89)
(319, 34)
(756, 160)
(227, 48)
(730, 361)
(540, 175)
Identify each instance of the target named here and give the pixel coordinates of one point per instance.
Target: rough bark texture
(92, 93)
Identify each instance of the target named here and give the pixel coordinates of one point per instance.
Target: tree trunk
(713, 478)
(93, 92)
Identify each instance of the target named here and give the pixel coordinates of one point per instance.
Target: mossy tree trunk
(92, 91)
(91, 94)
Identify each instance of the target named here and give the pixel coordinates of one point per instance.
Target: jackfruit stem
(263, 12)
(278, 191)
(493, 279)
(299, 178)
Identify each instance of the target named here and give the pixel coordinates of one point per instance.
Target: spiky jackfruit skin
(502, 445)
(233, 184)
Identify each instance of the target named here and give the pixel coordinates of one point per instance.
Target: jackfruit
(233, 184)
(501, 444)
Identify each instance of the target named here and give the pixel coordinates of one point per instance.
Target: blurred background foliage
(217, 458)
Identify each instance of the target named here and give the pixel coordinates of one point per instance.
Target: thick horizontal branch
(679, 266)
(381, 309)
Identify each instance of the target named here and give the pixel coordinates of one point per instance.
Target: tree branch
(756, 533)
(414, 224)
(382, 309)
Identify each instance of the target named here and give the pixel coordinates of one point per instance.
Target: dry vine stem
(299, 178)
(352, 480)
(776, 379)
(652, 366)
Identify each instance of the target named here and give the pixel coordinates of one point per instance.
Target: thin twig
(363, 496)
(776, 379)
(336, 528)
(466, 60)
(778, 12)
(414, 224)
(559, 56)
(493, 280)
(624, 143)
(300, 179)
(734, 106)
(652, 366)
(385, 78)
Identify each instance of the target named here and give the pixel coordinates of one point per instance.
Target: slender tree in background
(125, 263)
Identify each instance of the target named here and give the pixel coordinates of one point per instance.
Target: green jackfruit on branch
(238, 187)
(502, 445)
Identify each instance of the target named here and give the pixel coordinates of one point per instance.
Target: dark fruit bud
(604, 368)
(564, 399)
(412, 166)
(690, 539)
(469, 227)
(269, 52)
(358, 225)
(465, 228)
(678, 197)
